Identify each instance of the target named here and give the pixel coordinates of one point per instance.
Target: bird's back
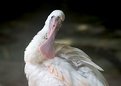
(81, 64)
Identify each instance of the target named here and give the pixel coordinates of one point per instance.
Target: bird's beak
(47, 49)
(54, 25)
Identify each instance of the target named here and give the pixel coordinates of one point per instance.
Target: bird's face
(53, 23)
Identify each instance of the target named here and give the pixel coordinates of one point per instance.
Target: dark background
(93, 26)
(107, 11)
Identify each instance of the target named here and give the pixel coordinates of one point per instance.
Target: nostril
(54, 25)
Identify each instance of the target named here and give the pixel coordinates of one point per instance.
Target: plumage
(53, 64)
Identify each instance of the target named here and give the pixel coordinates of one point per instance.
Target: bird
(49, 63)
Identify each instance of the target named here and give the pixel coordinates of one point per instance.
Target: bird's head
(52, 25)
(42, 45)
(55, 14)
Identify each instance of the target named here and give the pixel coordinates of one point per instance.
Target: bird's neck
(33, 53)
(47, 47)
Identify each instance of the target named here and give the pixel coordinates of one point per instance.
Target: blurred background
(93, 26)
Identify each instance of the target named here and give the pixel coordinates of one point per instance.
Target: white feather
(70, 66)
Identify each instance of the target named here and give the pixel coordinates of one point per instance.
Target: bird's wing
(82, 63)
(75, 56)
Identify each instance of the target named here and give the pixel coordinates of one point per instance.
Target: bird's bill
(47, 49)
(54, 25)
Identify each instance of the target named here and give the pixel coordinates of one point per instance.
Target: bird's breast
(57, 72)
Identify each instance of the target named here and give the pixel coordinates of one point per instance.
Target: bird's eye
(52, 17)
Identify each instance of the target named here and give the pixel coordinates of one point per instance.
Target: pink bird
(53, 64)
